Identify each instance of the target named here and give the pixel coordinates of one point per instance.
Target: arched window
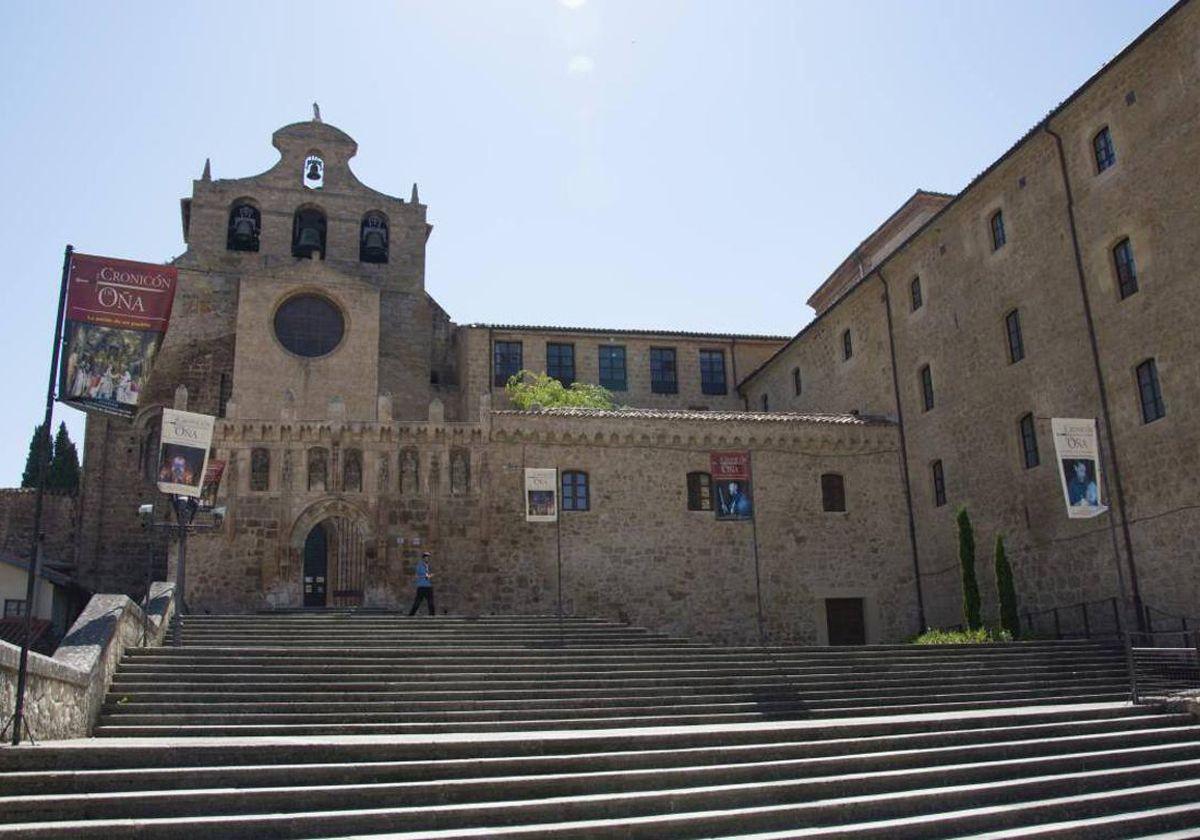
(308, 233)
(833, 493)
(260, 469)
(575, 490)
(373, 239)
(699, 491)
(245, 224)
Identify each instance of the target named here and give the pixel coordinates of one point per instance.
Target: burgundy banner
(117, 313)
(730, 466)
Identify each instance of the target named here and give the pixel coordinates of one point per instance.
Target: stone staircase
(334, 724)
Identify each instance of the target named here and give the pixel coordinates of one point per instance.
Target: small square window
(575, 491)
(13, 608)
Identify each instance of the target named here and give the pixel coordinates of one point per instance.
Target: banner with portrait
(1077, 452)
(211, 483)
(185, 441)
(732, 497)
(117, 314)
(541, 495)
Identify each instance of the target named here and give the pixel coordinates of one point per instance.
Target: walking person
(424, 585)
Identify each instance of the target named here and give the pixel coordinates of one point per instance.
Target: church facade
(361, 426)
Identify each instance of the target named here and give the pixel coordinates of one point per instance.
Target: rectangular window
(663, 377)
(575, 490)
(1029, 447)
(797, 385)
(560, 362)
(612, 367)
(939, 484)
(506, 361)
(915, 288)
(1102, 145)
(1150, 392)
(13, 608)
(998, 237)
(699, 491)
(1016, 344)
(1127, 281)
(833, 493)
(712, 372)
(927, 388)
(847, 345)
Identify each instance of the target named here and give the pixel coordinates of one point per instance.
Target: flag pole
(43, 456)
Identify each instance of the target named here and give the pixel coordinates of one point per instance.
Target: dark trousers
(424, 593)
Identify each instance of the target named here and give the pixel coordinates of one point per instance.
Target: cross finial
(316, 112)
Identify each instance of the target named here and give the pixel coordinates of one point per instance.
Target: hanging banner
(117, 313)
(211, 483)
(731, 485)
(541, 495)
(183, 451)
(1077, 450)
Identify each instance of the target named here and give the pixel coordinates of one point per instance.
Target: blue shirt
(423, 574)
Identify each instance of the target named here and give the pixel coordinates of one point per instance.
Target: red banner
(730, 466)
(119, 293)
(117, 313)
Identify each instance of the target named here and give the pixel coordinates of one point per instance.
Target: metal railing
(1085, 620)
(1164, 666)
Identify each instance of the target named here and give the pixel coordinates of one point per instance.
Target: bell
(314, 174)
(244, 229)
(308, 241)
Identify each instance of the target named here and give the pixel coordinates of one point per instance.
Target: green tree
(37, 443)
(64, 463)
(966, 558)
(526, 389)
(1006, 591)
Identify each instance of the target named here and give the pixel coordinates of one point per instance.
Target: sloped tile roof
(707, 416)
(611, 331)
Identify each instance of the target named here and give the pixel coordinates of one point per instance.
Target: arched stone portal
(332, 539)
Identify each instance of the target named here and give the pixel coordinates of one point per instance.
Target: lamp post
(185, 508)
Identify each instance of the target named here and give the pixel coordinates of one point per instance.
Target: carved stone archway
(349, 538)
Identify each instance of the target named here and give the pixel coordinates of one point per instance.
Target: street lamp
(185, 508)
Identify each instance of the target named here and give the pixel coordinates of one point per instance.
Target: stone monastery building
(362, 426)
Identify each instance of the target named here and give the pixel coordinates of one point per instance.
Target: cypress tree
(64, 464)
(39, 440)
(966, 558)
(1006, 591)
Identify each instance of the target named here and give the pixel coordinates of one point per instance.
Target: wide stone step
(695, 811)
(795, 759)
(782, 693)
(1050, 720)
(427, 727)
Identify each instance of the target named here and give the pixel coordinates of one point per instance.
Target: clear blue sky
(622, 163)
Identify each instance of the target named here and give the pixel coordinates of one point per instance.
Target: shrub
(979, 636)
(1006, 591)
(526, 389)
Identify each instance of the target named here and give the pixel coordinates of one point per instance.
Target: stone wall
(64, 693)
(637, 554)
(58, 524)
